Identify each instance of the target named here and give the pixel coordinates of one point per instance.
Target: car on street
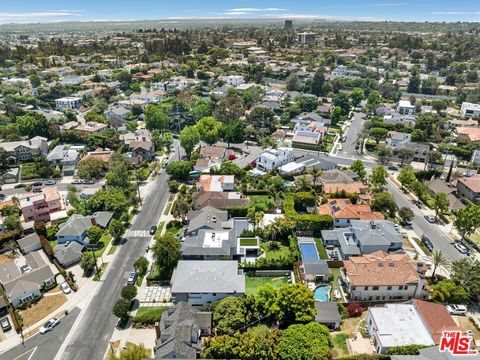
(49, 325)
(408, 222)
(2, 196)
(393, 167)
(88, 182)
(5, 324)
(37, 190)
(37, 183)
(19, 186)
(426, 241)
(132, 278)
(430, 219)
(65, 288)
(153, 229)
(50, 182)
(457, 309)
(344, 138)
(461, 248)
(76, 182)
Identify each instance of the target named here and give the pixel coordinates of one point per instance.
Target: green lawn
(29, 171)
(159, 229)
(53, 243)
(336, 275)
(248, 241)
(174, 230)
(283, 251)
(321, 249)
(253, 283)
(258, 198)
(167, 208)
(340, 343)
(103, 243)
(155, 311)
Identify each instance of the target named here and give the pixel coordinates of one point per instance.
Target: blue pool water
(322, 293)
(309, 251)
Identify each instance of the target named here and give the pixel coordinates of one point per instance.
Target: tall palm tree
(438, 259)
(315, 173)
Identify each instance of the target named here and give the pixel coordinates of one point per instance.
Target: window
(366, 287)
(354, 288)
(389, 288)
(375, 288)
(377, 298)
(400, 287)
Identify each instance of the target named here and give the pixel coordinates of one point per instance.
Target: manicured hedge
(313, 222)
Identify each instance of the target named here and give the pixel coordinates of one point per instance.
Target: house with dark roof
(180, 330)
(219, 199)
(205, 281)
(143, 150)
(208, 218)
(440, 186)
(29, 243)
(327, 314)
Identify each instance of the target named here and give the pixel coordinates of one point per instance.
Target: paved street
(421, 226)
(90, 339)
(352, 133)
(43, 347)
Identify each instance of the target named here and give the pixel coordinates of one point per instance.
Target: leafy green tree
(378, 133)
(373, 102)
(87, 262)
(405, 154)
(342, 101)
(358, 167)
(179, 170)
(180, 209)
(129, 292)
(230, 108)
(209, 129)
(35, 80)
(406, 214)
(32, 124)
(262, 118)
(12, 223)
(414, 84)
(107, 200)
(385, 203)
(94, 233)
(310, 341)
(335, 114)
(118, 175)
(465, 272)
(90, 168)
(233, 132)
(116, 228)
(230, 315)
(156, 118)
(441, 202)
(467, 220)
(293, 83)
(295, 304)
(141, 265)
(379, 177)
(405, 350)
(122, 308)
(406, 176)
(446, 291)
(189, 138)
(318, 83)
(356, 96)
(167, 252)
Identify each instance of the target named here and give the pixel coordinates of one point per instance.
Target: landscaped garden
(273, 254)
(253, 283)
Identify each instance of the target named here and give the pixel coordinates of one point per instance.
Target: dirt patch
(5, 258)
(42, 309)
(349, 326)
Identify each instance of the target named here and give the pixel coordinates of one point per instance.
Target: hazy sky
(56, 10)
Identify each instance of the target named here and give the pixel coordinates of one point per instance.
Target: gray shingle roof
(207, 277)
(28, 240)
(205, 217)
(68, 253)
(327, 312)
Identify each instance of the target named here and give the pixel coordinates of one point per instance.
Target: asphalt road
(352, 135)
(41, 347)
(59, 186)
(91, 338)
(440, 241)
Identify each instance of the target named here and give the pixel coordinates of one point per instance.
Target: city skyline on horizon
(30, 11)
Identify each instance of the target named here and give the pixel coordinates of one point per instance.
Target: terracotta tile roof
(436, 317)
(473, 183)
(379, 268)
(344, 209)
(51, 194)
(473, 133)
(356, 187)
(99, 153)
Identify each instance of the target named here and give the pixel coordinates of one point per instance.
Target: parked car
(430, 218)
(153, 229)
(5, 324)
(393, 167)
(88, 182)
(132, 278)
(50, 182)
(426, 241)
(76, 182)
(37, 183)
(65, 288)
(461, 248)
(37, 190)
(49, 325)
(19, 186)
(457, 309)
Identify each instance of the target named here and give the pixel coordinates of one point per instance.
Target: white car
(49, 325)
(65, 288)
(457, 309)
(461, 248)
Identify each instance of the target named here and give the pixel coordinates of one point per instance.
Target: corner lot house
(381, 276)
(41, 206)
(469, 188)
(24, 282)
(202, 282)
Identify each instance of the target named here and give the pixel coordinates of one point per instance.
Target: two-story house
(65, 155)
(469, 188)
(26, 149)
(272, 159)
(68, 103)
(380, 276)
(75, 229)
(143, 150)
(40, 206)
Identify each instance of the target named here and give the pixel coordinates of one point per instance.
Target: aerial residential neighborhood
(239, 183)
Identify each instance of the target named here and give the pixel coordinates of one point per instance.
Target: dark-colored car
(393, 167)
(19, 186)
(37, 190)
(153, 230)
(426, 241)
(37, 183)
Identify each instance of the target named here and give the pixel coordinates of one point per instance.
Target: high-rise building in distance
(288, 24)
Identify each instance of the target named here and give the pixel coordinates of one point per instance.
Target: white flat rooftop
(215, 239)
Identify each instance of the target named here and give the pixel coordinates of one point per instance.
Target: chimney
(214, 219)
(158, 333)
(373, 225)
(93, 221)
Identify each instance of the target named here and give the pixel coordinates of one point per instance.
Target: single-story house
(29, 243)
(328, 314)
(69, 253)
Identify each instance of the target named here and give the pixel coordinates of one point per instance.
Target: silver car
(49, 325)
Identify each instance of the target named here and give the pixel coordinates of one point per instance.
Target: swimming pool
(322, 293)
(309, 251)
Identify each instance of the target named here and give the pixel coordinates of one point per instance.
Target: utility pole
(94, 258)
(138, 189)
